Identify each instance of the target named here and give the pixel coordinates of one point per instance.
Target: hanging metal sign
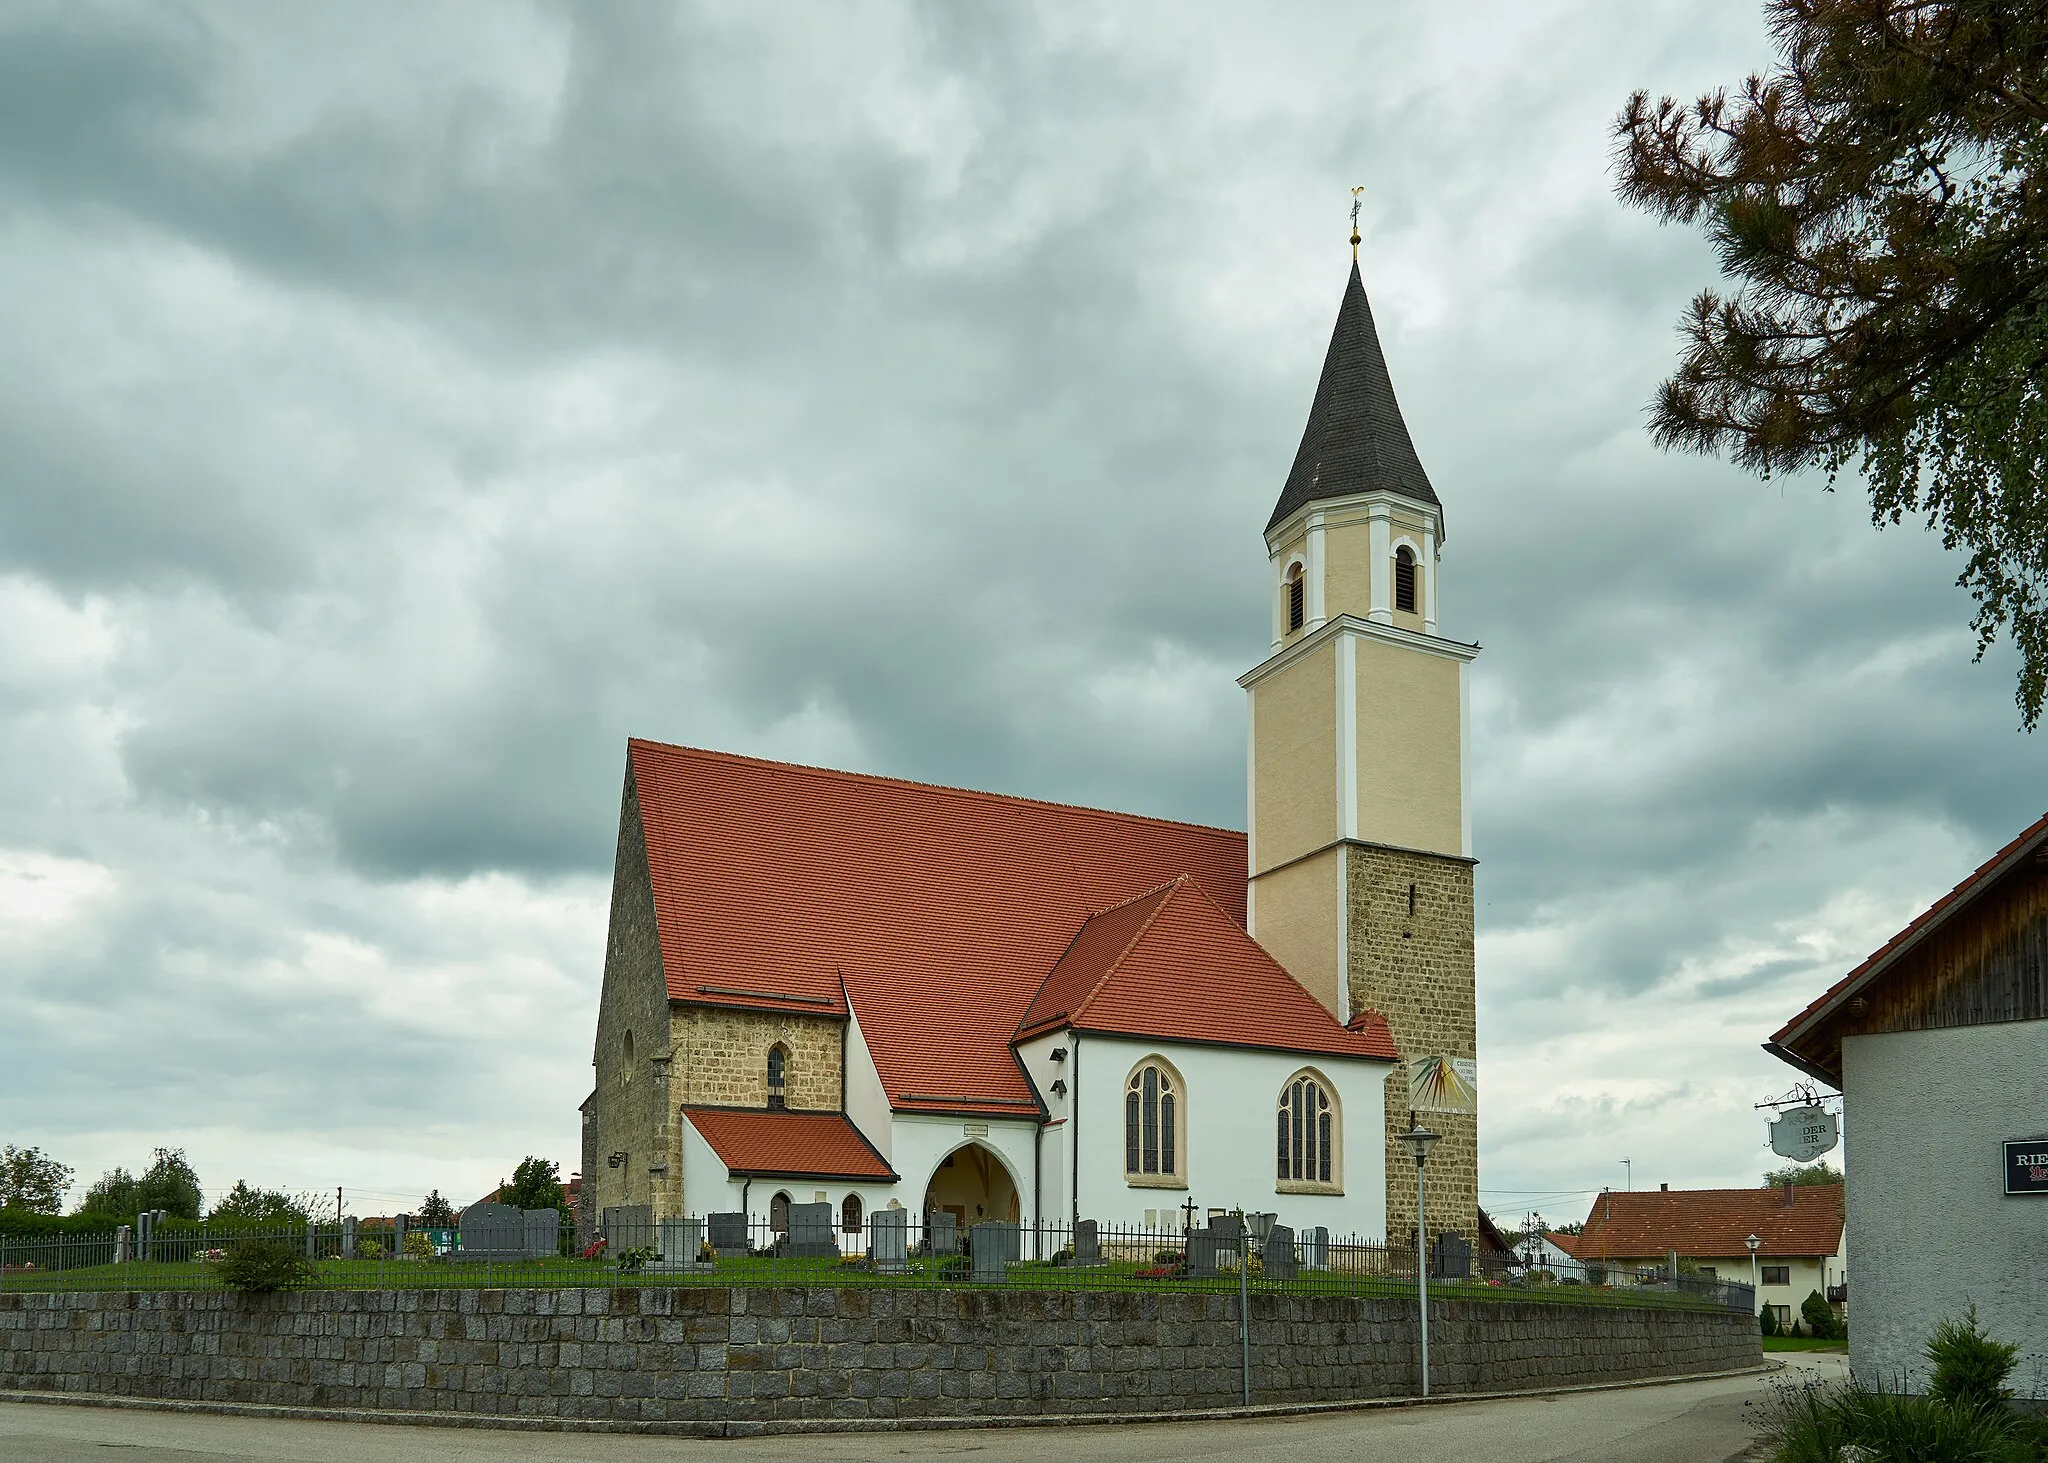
(1803, 1134)
(1443, 1084)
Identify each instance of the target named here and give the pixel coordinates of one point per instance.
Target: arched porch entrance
(972, 1183)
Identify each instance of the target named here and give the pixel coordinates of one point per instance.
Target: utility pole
(337, 1203)
(1628, 1172)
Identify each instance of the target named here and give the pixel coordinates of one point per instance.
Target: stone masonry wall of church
(719, 1058)
(1418, 971)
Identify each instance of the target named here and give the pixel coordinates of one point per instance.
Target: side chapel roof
(1356, 440)
(754, 1143)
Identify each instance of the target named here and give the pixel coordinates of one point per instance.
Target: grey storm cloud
(402, 407)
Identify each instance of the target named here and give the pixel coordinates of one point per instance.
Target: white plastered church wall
(867, 1101)
(1231, 1094)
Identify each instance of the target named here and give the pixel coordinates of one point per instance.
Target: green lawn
(1803, 1343)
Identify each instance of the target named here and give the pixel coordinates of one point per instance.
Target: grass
(752, 1271)
(1803, 1343)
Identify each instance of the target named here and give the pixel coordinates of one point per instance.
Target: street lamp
(1755, 1288)
(1420, 1140)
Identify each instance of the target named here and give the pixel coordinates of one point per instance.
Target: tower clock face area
(1359, 816)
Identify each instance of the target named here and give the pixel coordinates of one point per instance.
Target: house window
(1777, 1274)
(1404, 579)
(778, 1066)
(1306, 1124)
(1153, 1115)
(849, 1215)
(778, 1213)
(1784, 1315)
(1296, 599)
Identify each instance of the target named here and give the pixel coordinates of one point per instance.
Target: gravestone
(491, 1232)
(628, 1227)
(1202, 1247)
(728, 1233)
(1452, 1259)
(1278, 1263)
(124, 1245)
(811, 1234)
(994, 1246)
(1316, 1248)
(399, 1226)
(1227, 1230)
(889, 1241)
(349, 1229)
(312, 1242)
(143, 1224)
(942, 1231)
(1087, 1244)
(682, 1240)
(543, 1233)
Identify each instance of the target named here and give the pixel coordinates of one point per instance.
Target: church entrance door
(972, 1184)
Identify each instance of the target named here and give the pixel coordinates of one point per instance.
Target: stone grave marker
(681, 1242)
(1202, 1247)
(124, 1244)
(543, 1233)
(492, 1232)
(1453, 1258)
(628, 1227)
(1315, 1248)
(889, 1241)
(728, 1233)
(1087, 1243)
(994, 1246)
(811, 1232)
(349, 1230)
(942, 1231)
(1278, 1263)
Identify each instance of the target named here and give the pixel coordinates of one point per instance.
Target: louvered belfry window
(1296, 600)
(1404, 580)
(1307, 1133)
(1151, 1123)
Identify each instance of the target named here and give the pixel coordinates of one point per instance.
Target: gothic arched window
(1309, 1130)
(778, 1072)
(1404, 579)
(1155, 1118)
(1297, 600)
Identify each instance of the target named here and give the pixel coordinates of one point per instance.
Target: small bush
(1819, 1315)
(1969, 1367)
(370, 1249)
(632, 1262)
(262, 1265)
(1768, 1319)
(418, 1246)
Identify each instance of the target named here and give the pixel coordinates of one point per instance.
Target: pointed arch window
(778, 1073)
(1155, 1125)
(1309, 1129)
(849, 1215)
(1404, 580)
(1297, 599)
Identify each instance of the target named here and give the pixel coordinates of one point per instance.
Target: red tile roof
(938, 911)
(1569, 1243)
(756, 1141)
(1172, 965)
(1710, 1223)
(1786, 1042)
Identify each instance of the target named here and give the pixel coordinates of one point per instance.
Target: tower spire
(1354, 223)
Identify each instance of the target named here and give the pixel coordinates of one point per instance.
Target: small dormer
(1358, 528)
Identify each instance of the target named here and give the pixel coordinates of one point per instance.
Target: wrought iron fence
(888, 1248)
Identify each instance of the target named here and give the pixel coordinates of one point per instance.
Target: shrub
(1818, 1425)
(418, 1246)
(632, 1262)
(1767, 1318)
(262, 1265)
(1820, 1316)
(1969, 1367)
(370, 1249)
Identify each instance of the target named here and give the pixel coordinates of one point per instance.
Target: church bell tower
(1359, 817)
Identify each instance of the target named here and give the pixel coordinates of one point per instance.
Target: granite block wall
(710, 1358)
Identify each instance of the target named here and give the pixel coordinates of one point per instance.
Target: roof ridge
(839, 774)
(1024, 1022)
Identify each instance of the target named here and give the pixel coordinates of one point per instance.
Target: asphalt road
(1689, 1422)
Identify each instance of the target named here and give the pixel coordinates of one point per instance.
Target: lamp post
(1420, 1140)
(1755, 1287)
(1256, 1227)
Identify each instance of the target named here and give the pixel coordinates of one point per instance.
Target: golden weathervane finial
(1354, 223)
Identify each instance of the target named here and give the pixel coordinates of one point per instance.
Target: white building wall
(1929, 1219)
(1229, 1164)
(867, 1101)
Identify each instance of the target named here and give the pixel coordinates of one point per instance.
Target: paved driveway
(1690, 1422)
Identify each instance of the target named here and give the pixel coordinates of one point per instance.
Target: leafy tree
(436, 1212)
(1818, 1315)
(262, 1206)
(168, 1184)
(30, 1179)
(537, 1184)
(1879, 200)
(1802, 1175)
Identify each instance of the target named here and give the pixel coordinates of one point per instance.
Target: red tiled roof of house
(938, 911)
(1172, 965)
(1785, 1041)
(759, 1141)
(1569, 1243)
(1708, 1223)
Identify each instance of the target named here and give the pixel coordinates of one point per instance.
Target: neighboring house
(1803, 1242)
(1549, 1250)
(1939, 1045)
(823, 986)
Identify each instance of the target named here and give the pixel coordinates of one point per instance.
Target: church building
(827, 986)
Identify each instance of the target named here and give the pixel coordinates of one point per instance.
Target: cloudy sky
(400, 408)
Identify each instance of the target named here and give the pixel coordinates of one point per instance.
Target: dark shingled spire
(1356, 441)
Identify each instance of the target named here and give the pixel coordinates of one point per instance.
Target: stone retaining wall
(711, 1357)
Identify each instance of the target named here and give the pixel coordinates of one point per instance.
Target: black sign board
(2026, 1166)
